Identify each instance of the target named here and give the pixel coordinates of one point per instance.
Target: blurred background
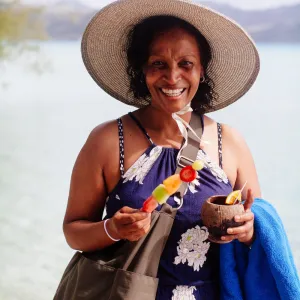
(49, 104)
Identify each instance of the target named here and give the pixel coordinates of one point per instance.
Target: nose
(172, 75)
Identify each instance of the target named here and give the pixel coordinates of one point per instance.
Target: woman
(170, 63)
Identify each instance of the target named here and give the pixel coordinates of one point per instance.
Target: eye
(186, 63)
(158, 63)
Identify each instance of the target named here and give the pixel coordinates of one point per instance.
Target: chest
(153, 167)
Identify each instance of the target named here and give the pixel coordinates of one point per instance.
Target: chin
(170, 106)
(176, 107)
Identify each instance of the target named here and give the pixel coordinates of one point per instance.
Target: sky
(245, 4)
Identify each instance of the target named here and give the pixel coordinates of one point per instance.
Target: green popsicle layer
(160, 194)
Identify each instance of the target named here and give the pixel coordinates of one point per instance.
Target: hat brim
(235, 61)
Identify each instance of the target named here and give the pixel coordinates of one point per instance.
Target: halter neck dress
(189, 265)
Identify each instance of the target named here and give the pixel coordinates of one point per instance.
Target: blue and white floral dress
(189, 266)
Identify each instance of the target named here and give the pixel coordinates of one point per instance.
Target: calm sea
(44, 121)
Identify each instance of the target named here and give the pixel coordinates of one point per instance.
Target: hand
(129, 224)
(244, 233)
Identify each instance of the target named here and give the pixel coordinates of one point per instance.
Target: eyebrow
(180, 57)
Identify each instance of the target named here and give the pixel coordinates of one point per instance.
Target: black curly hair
(139, 41)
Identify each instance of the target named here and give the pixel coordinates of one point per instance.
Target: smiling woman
(195, 57)
(168, 58)
(173, 70)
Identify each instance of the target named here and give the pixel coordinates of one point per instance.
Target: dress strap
(141, 127)
(121, 144)
(220, 145)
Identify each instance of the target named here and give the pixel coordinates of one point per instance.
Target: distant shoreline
(67, 21)
(72, 41)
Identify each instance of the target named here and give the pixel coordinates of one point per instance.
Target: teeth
(173, 93)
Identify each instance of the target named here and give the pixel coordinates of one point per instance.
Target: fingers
(127, 210)
(249, 201)
(230, 238)
(246, 217)
(138, 226)
(245, 229)
(127, 215)
(131, 224)
(242, 233)
(138, 235)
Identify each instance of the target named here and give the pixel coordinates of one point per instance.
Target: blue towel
(267, 270)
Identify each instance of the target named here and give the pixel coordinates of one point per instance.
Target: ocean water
(44, 121)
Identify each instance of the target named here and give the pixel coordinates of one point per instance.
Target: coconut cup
(218, 217)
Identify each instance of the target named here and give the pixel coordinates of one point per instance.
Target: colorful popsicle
(170, 186)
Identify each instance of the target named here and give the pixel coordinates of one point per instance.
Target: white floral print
(142, 166)
(183, 292)
(192, 248)
(212, 166)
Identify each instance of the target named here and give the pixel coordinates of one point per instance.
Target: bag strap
(189, 153)
(188, 156)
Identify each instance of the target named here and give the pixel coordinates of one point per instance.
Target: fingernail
(223, 238)
(229, 230)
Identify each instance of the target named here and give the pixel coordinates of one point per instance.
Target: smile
(173, 93)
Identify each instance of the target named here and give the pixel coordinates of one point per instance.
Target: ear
(202, 72)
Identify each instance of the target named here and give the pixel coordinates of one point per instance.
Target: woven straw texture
(233, 68)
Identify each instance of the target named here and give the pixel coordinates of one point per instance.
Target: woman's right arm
(83, 226)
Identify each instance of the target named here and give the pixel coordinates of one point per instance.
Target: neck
(162, 122)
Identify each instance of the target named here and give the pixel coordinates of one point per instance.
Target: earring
(202, 79)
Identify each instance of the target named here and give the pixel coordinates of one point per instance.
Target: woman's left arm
(246, 172)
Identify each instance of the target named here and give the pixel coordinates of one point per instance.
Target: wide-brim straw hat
(235, 60)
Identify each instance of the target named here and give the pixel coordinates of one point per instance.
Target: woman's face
(173, 70)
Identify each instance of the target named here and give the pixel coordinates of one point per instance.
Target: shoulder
(102, 143)
(237, 159)
(103, 133)
(234, 141)
(229, 134)
(232, 135)
(107, 131)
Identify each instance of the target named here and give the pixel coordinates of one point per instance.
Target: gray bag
(126, 270)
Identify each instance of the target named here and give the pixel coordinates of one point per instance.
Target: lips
(172, 92)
